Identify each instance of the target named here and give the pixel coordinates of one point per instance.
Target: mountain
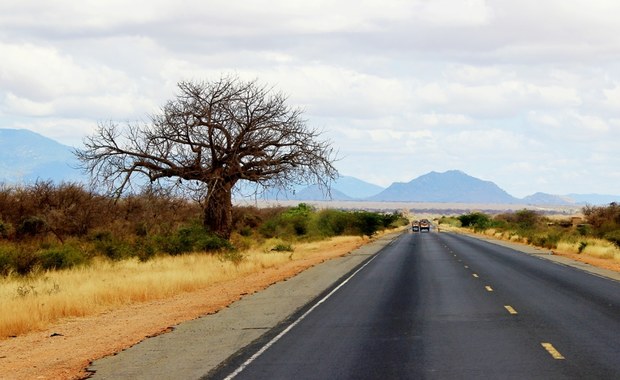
(315, 193)
(356, 188)
(26, 157)
(548, 199)
(451, 186)
(344, 188)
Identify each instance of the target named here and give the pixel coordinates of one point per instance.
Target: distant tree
(477, 220)
(212, 135)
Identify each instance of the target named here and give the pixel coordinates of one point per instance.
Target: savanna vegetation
(50, 227)
(67, 252)
(597, 234)
(204, 141)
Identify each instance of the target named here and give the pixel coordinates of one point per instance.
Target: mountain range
(26, 156)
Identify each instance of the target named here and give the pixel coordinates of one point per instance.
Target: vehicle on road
(425, 225)
(415, 226)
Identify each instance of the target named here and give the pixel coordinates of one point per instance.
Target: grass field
(37, 300)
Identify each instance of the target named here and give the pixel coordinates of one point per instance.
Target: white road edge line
(286, 330)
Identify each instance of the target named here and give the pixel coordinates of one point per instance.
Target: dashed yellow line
(552, 351)
(488, 288)
(510, 309)
(466, 267)
(475, 275)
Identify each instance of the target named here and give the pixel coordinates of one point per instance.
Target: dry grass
(39, 300)
(598, 248)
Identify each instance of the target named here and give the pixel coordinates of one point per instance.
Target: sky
(522, 93)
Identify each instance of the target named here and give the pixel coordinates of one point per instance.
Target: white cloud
(487, 87)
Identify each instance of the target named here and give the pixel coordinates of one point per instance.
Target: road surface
(447, 306)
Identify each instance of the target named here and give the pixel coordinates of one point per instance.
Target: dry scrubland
(66, 252)
(594, 234)
(38, 301)
(588, 246)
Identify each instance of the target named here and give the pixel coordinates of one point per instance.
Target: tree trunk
(218, 209)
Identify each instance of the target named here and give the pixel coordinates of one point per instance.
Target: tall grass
(37, 300)
(599, 248)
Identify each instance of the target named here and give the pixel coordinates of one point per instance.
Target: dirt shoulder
(66, 349)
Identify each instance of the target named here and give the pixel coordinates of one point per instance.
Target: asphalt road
(447, 306)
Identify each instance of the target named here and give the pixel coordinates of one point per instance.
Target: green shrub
(549, 240)
(283, 247)
(476, 220)
(212, 243)
(144, 249)
(5, 229)
(333, 222)
(584, 229)
(61, 258)
(450, 221)
(25, 260)
(269, 229)
(112, 248)
(192, 238)
(6, 262)
(367, 223)
(233, 256)
(614, 237)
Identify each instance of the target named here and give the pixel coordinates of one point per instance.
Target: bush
(212, 243)
(367, 223)
(6, 262)
(450, 221)
(113, 249)
(614, 237)
(6, 229)
(476, 220)
(333, 222)
(549, 240)
(282, 247)
(31, 226)
(24, 260)
(582, 246)
(192, 238)
(61, 258)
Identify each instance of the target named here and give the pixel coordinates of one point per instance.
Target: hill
(547, 199)
(450, 186)
(344, 188)
(26, 157)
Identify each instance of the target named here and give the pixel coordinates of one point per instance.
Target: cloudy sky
(520, 92)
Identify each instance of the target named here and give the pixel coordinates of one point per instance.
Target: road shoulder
(546, 254)
(194, 348)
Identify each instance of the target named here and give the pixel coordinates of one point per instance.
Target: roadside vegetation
(597, 234)
(66, 252)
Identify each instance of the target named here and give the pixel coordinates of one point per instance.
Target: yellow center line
(475, 275)
(552, 351)
(510, 309)
(488, 288)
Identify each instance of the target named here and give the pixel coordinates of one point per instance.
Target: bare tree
(204, 141)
